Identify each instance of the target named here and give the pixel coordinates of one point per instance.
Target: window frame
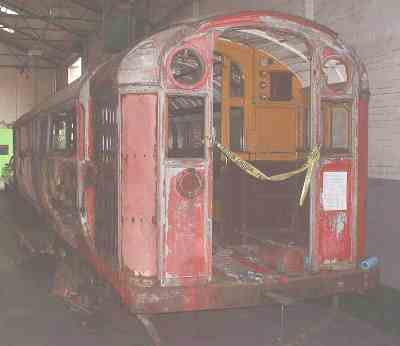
(204, 129)
(327, 127)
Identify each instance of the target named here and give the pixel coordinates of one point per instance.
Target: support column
(309, 9)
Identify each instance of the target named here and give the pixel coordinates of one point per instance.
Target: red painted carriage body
(143, 219)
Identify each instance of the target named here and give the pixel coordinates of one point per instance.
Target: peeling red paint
(186, 260)
(334, 227)
(139, 177)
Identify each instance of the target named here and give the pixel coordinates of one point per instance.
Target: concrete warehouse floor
(30, 315)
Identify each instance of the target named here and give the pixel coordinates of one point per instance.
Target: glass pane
(281, 86)
(340, 128)
(237, 81)
(236, 129)
(185, 127)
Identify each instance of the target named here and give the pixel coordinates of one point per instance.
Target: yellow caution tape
(308, 166)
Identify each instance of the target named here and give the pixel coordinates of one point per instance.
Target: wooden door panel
(277, 133)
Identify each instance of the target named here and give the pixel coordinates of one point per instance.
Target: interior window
(236, 129)
(63, 133)
(281, 86)
(236, 81)
(185, 127)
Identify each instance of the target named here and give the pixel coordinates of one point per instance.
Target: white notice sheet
(334, 194)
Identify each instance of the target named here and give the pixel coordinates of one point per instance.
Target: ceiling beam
(36, 28)
(49, 17)
(21, 67)
(34, 15)
(86, 6)
(24, 50)
(33, 38)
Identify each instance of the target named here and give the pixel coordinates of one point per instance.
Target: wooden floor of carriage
(30, 315)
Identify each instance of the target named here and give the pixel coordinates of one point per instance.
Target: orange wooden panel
(274, 130)
(277, 133)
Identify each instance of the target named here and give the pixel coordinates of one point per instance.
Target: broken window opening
(63, 133)
(335, 72)
(186, 116)
(187, 67)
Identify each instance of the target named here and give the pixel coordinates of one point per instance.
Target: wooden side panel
(274, 128)
(139, 184)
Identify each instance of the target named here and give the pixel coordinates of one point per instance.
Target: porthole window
(187, 67)
(335, 72)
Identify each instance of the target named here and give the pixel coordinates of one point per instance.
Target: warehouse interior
(48, 45)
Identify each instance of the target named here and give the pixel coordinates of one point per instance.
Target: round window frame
(193, 174)
(341, 86)
(200, 55)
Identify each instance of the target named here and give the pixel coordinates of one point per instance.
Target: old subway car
(212, 163)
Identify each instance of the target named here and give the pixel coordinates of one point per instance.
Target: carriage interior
(260, 112)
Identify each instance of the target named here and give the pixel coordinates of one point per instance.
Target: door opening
(260, 109)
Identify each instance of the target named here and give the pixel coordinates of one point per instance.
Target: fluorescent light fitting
(9, 30)
(7, 10)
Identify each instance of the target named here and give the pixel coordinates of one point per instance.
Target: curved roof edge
(142, 63)
(69, 93)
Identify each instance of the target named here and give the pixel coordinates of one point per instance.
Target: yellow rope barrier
(308, 166)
